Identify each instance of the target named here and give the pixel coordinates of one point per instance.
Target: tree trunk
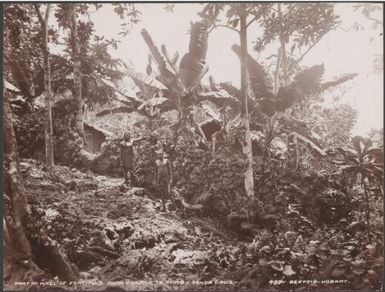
(281, 58)
(276, 73)
(282, 49)
(247, 146)
(18, 264)
(367, 199)
(48, 129)
(77, 90)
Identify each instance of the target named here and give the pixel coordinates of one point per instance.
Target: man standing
(164, 177)
(127, 157)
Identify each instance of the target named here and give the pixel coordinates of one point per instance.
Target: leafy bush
(29, 132)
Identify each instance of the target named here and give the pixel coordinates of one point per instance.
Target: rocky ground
(118, 237)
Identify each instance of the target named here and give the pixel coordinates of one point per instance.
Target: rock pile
(198, 171)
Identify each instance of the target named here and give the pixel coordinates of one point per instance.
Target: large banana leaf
(306, 83)
(150, 81)
(163, 104)
(162, 65)
(168, 59)
(174, 59)
(259, 80)
(286, 97)
(146, 108)
(309, 80)
(231, 89)
(193, 65)
(122, 109)
(219, 98)
(338, 80)
(119, 95)
(167, 77)
(149, 69)
(210, 111)
(234, 91)
(198, 39)
(212, 85)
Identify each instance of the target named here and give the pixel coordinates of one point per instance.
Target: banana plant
(271, 113)
(177, 87)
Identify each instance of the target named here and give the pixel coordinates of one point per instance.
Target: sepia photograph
(193, 146)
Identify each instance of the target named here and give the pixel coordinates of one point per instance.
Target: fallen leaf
(288, 271)
(276, 265)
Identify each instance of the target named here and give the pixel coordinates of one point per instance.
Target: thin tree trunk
(276, 73)
(281, 58)
(247, 146)
(285, 76)
(367, 198)
(77, 90)
(48, 128)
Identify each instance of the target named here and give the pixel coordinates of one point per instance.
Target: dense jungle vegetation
(270, 188)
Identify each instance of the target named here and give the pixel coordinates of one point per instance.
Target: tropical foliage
(316, 205)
